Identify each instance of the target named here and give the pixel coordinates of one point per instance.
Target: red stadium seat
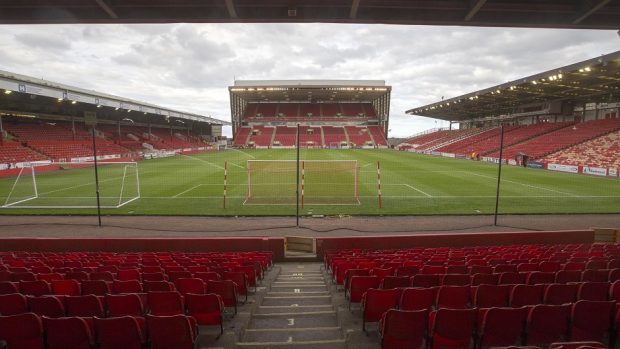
(547, 324)
(451, 328)
(591, 320)
(23, 331)
(68, 333)
(13, 304)
(418, 298)
(375, 302)
(207, 309)
(501, 327)
(119, 332)
(166, 332)
(403, 329)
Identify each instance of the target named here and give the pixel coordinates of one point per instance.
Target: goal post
(321, 182)
(73, 186)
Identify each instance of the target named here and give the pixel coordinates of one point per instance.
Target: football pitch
(411, 184)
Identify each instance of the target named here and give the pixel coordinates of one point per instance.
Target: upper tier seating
(267, 112)
(46, 131)
(562, 138)
(599, 152)
(468, 144)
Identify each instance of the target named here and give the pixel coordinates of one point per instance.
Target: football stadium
(131, 223)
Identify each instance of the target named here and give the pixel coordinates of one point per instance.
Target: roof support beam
(354, 8)
(591, 10)
(230, 6)
(107, 8)
(476, 5)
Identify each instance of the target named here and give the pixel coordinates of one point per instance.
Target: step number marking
(294, 305)
(298, 274)
(290, 339)
(291, 322)
(296, 290)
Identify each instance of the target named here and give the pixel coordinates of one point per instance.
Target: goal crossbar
(128, 191)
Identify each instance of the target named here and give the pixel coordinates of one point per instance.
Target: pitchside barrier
(119, 184)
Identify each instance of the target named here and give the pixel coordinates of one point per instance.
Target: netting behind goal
(73, 186)
(321, 182)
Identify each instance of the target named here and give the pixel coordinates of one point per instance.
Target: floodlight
(7, 92)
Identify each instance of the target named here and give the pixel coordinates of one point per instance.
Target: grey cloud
(48, 41)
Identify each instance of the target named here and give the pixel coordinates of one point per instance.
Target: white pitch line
(242, 152)
(418, 190)
(79, 185)
(232, 163)
(188, 190)
(205, 161)
(523, 184)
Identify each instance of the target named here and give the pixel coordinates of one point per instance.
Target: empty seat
(566, 276)
(455, 279)
(451, 328)
(403, 329)
(167, 332)
(418, 298)
(593, 291)
(149, 286)
(8, 287)
(455, 297)
(539, 277)
(165, 303)
(240, 280)
(547, 324)
(67, 333)
(426, 280)
(407, 271)
(501, 327)
(510, 278)
(35, 288)
(488, 279)
(50, 306)
(486, 296)
(225, 289)
(190, 285)
(22, 331)
(95, 287)
(12, 304)
(127, 286)
(375, 302)
(84, 306)
(349, 274)
(595, 275)
(359, 285)
(66, 287)
(124, 305)
(101, 275)
(207, 309)
(522, 295)
(591, 320)
(577, 345)
(557, 294)
(119, 332)
(128, 274)
(394, 282)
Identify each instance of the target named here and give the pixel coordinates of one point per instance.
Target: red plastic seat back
(119, 332)
(225, 289)
(95, 287)
(66, 287)
(376, 302)
(50, 306)
(501, 326)
(418, 298)
(591, 320)
(454, 297)
(486, 296)
(359, 285)
(22, 331)
(452, 328)
(124, 305)
(205, 308)
(190, 285)
(557, 294)
(165, 303)
(403, 329)
(547, 324)
(127, 286)
(166, 332)
(523, 295)
(34, 288)
(68, 333)
(85, 306)
(593, 291)
(13, 304)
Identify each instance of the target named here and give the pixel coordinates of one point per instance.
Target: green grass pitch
(411, 184)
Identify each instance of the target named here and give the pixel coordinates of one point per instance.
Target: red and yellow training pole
(379, 183)
(225, 180)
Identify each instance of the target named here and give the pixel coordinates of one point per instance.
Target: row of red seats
(514, 295)
(29, 331)
(537, 326)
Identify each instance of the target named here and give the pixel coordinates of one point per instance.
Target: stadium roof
(595, 14)
(592, 80)
(309, 90)
(65, 94)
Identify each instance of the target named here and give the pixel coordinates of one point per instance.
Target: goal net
(73, 186)
(321, 182)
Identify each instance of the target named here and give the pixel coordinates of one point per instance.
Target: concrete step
(299, 282)
(294, 320)
(317, 278)
(297, 292)
(299, 300)
(293, 335)
(292, 309)
(303, 288)
(301, 273)
(327, 344)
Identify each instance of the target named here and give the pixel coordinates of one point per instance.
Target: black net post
(96, 176)
(297, 187)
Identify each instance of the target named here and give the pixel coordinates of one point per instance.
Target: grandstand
(544, 118)
(352, 114)
(50, 123)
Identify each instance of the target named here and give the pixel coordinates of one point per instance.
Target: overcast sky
(189, 66)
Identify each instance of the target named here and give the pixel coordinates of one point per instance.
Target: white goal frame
(302, 181)
(32, 167)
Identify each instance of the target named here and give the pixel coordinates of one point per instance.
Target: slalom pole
(379, 183)
(225, 180)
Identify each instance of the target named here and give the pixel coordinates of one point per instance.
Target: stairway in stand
(296, 312)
